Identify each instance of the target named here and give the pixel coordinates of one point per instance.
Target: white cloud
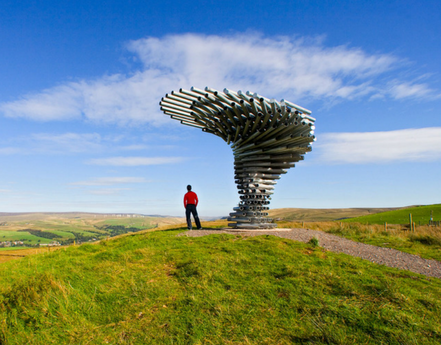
(407, 145)
(278, 67)
(108, 181)
(134, 161)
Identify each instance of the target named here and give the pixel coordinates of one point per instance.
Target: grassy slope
(419, 214)
(322, 215)
(156, 288)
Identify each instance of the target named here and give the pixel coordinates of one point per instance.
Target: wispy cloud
(134, 147)
(401, 90)
(407, 145)
(108, 181)
(68, 142)
(134, 161)
(9, 150)
(108, 191)
(50, 143)
(58, 103)
(285, 67)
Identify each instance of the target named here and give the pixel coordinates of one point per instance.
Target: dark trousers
(191, 209)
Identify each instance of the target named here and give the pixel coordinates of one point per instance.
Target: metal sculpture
(267, 138)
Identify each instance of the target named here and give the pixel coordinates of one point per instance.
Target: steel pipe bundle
(267, 138)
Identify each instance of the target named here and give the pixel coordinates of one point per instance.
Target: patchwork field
(34, 229)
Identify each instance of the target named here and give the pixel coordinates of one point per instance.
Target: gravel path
(383, 256)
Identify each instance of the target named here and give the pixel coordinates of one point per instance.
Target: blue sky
(80, 83)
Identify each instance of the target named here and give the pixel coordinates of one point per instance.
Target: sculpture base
(250, 231)
(253, 225)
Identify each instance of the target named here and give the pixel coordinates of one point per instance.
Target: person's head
(189, 188)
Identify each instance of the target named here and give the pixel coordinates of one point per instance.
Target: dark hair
(188, 187)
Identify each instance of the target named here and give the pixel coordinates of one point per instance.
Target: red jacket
(190, 198)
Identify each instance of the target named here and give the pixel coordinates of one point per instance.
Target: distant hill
(323, 214)
(30, 216)
(420, 215)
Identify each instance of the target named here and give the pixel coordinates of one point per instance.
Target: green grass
(157, 288)
(420, 214)
(427, 246)
(9, 235)
(425, 241)
(62, 234)
(11, 248)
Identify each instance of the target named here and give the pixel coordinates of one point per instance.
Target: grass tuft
(427, 240)
(314, 242)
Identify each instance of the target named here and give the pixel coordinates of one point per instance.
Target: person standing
(190, 203)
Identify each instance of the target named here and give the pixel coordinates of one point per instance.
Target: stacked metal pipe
(267, 138)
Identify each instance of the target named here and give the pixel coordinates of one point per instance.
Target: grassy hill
(156, 287)
(420, 214)
(322, 214)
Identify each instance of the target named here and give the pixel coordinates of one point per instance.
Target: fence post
(385, 226)
(410, 221)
